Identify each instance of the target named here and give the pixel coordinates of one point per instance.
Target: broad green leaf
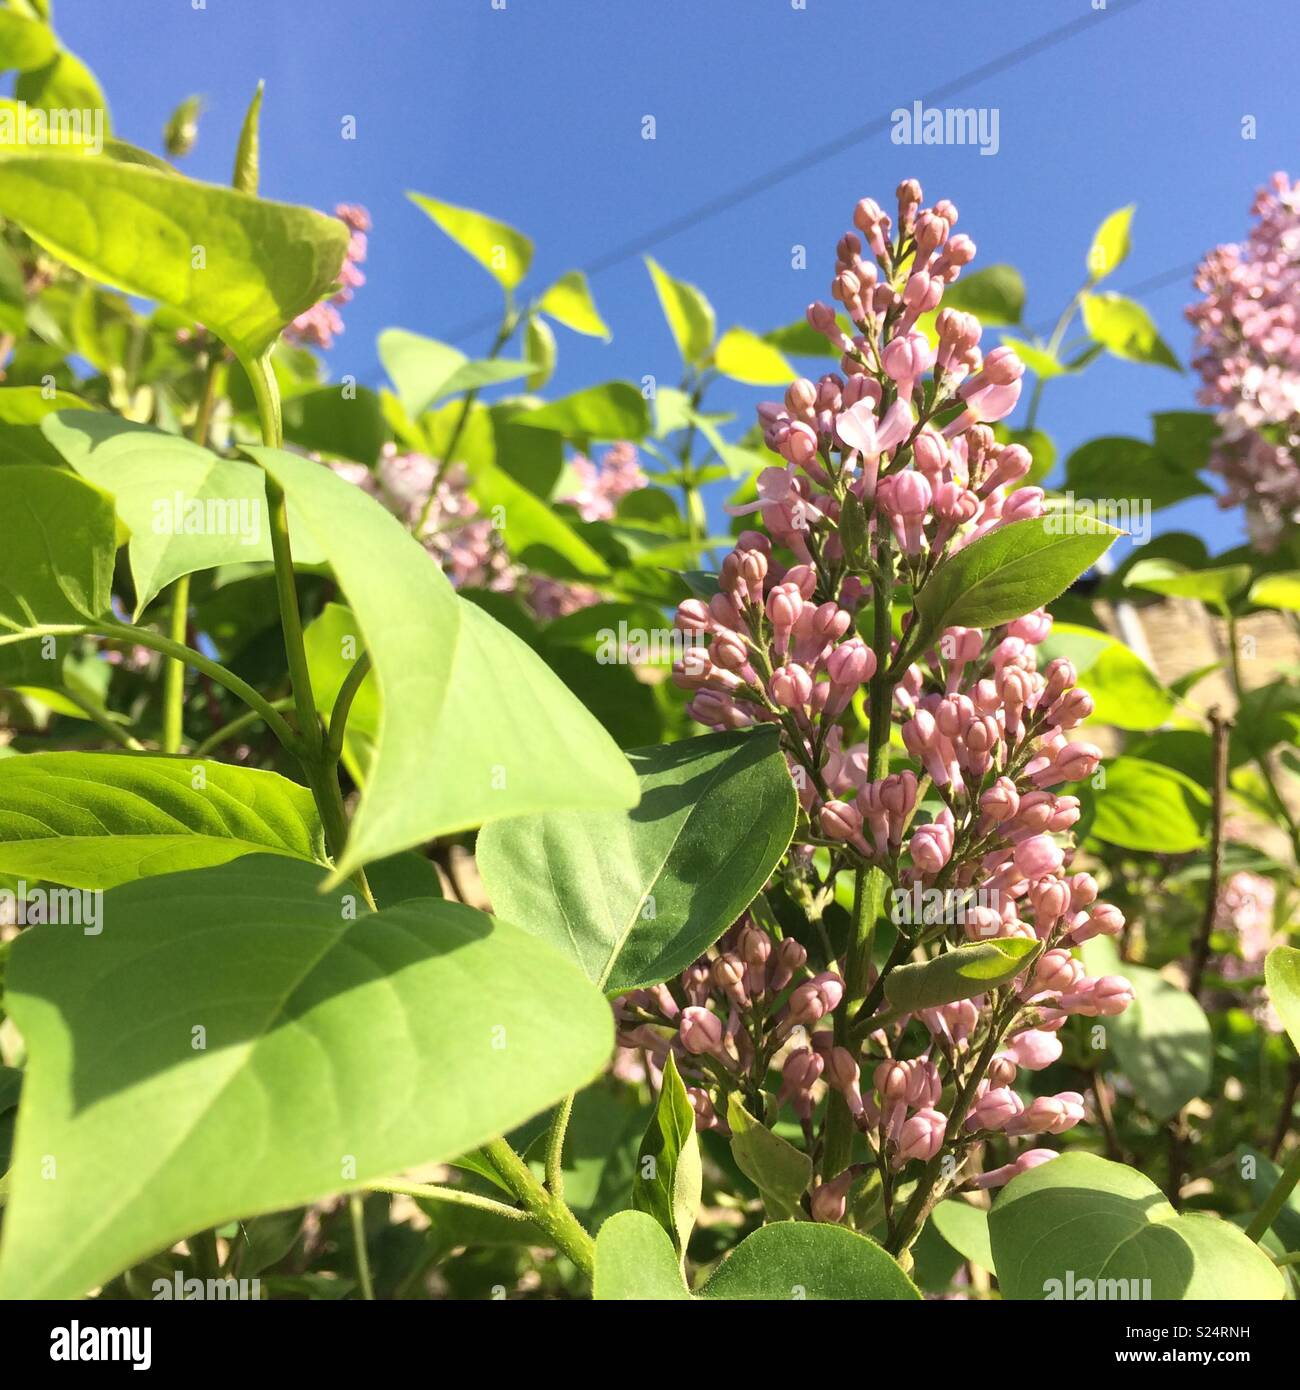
(1125, 329)
(1119, 474)
(65, 83)
(94, 820)
(56, 564)
(24, 43)
(1162, 1041)
(1082, 1218)
(966, 1229)
(1282, 978)
(635, 1259)
(471, 725)
(22, 408)
(1009, 572)
(1277, 591)
(960, 973)
(1146, 806)
(333, 1052)
(690, 316)
(801, 339)
(1036, 358)
(995, 295)
(1110, 243)
(425, 370)
(616, 410)
(1219, 587)
(242, 266)
(808, 1260)
(569, 302)
(788, 1260)
(343, 422)
(187, 509)
(635, 896)
(502, 251)
(779, 1170)
(745, 357)
(669, 1178)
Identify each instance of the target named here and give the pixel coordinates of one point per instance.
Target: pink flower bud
(1038, 856)
(790, 957)
(1034, 1049)
(790, 687)
(700, 1031)
(1001, 801)
(1104, 920)
(921, 1136)
(995, 1109)
(1049, 1114)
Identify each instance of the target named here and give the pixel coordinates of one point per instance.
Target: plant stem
(237, 726)
(1276, 1199)
(101, 717)
(509, 322)
(343, 705)
(549, 1212)
(434, 1193)
(555, 1148)
(1218, 783)
(357, 1211)
(174, 677)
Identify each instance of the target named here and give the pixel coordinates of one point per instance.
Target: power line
(819, 154)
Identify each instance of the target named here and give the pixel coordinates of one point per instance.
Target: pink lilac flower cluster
(464, 541)
(1248, 336)
(1245, 910)
(890, 465)
(322, 323)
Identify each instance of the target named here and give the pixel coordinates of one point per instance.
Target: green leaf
(502, 251)
(1125, 329)
(247, 171)
(342, 422)
(1119, 472)
(94, 820)
(56, 564)
(1185, 437)
(1110, 244)
(143, 232)
(808, 1260)
(24, 43)
(669, 1178)
(1162, 1041)
(1282, 979)
(744, 356)
(22, 408)
(1083, 1218)
(960, 973)
(1146, 806)
(966, 1229)
(788, 1260)
(569, 302)
(471, 726)
(187, 509)
(1277, 591)
(65, 83)
(779, 1170)
(533, 531)
(690, 316)
(635, 896)
(1219, 587)
(995, 295)
(616, 410)
(1009, 572)
(425, 370)
(540, 348)
(635, 1259)
(334, 1052)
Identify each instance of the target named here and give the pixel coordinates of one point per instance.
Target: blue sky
(533, 112)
